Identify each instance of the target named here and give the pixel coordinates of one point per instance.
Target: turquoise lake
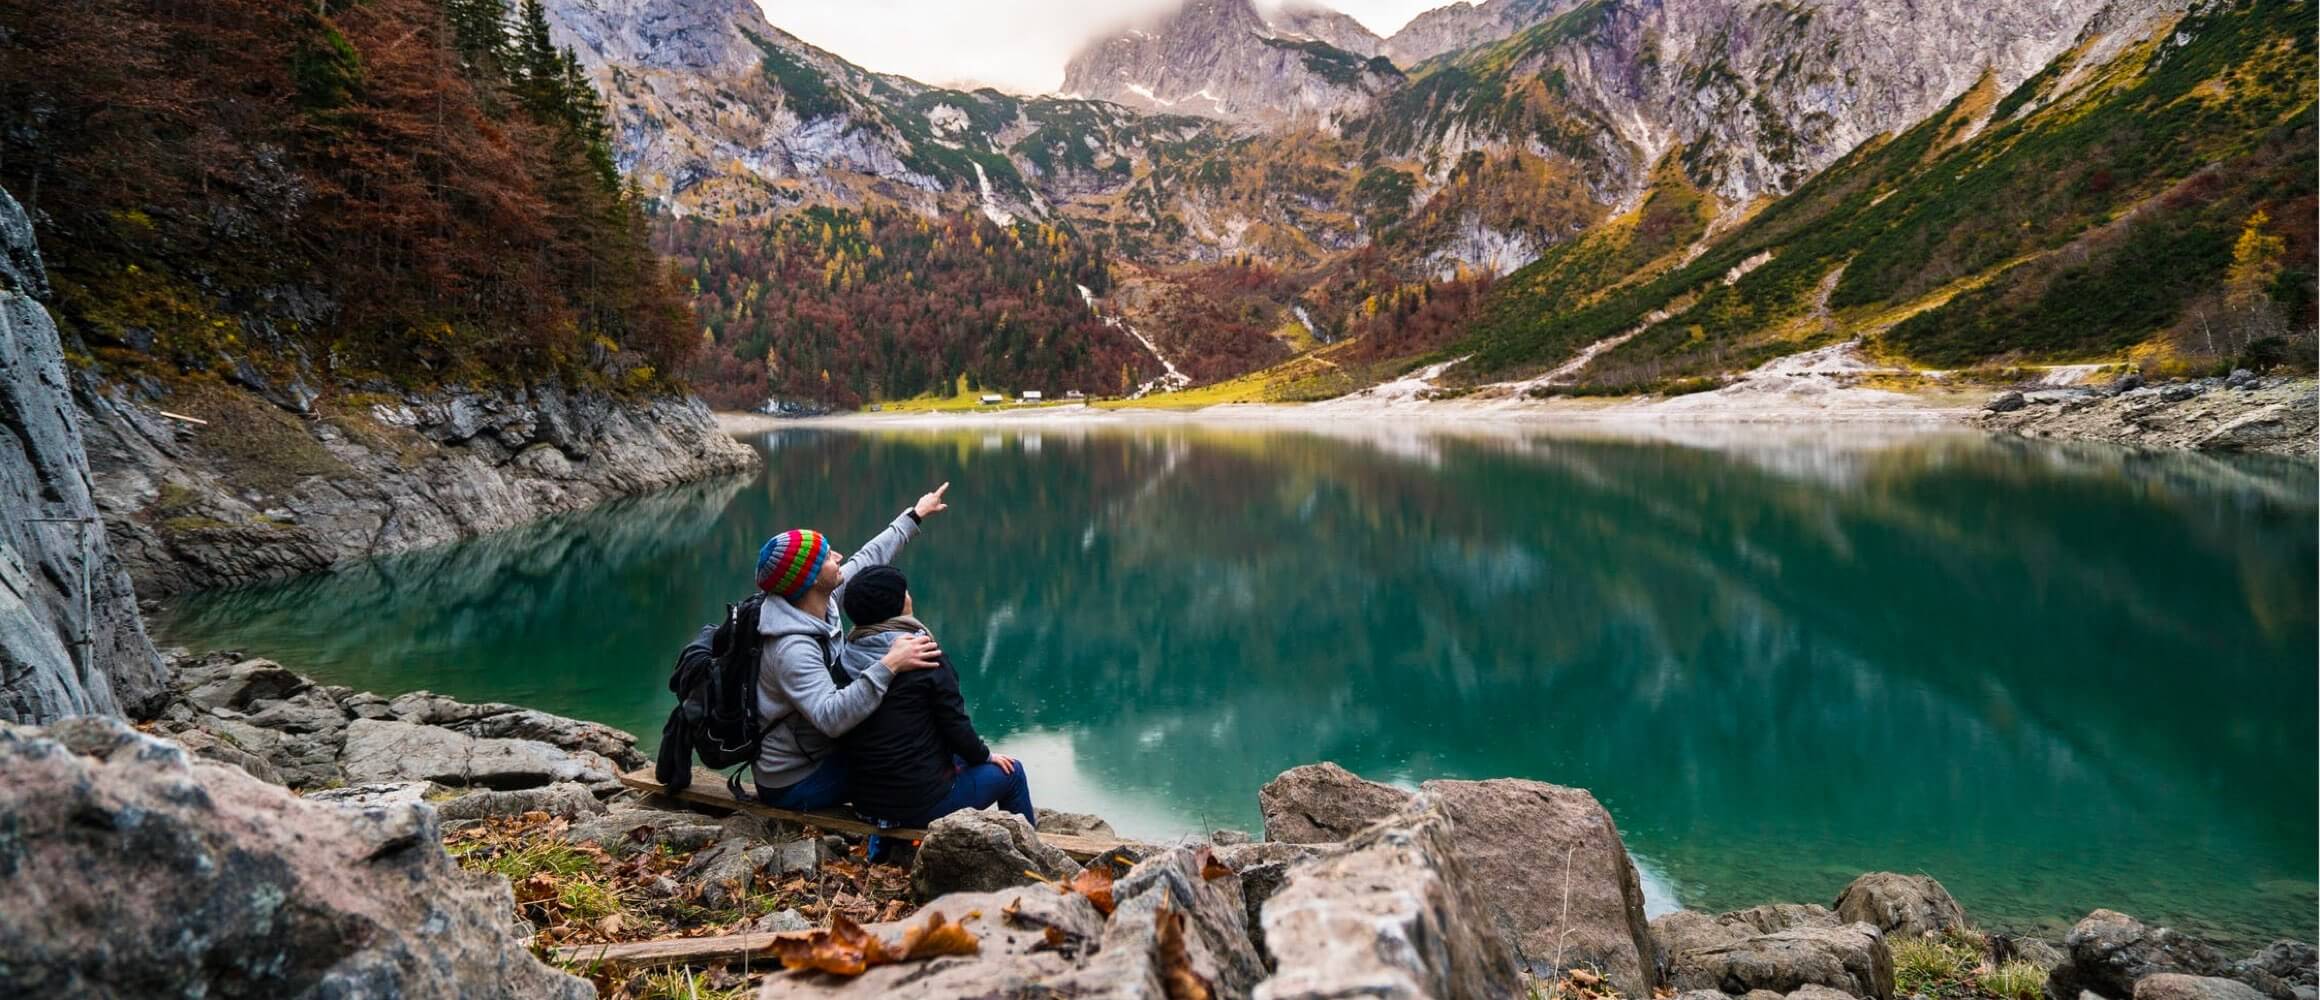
(2057, 678)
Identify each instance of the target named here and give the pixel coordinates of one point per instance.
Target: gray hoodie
(801, 707)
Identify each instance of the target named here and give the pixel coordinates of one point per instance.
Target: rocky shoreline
(263, 490)
(2243, 413)
(449, 848)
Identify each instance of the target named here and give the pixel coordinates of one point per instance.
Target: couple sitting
(874, 716)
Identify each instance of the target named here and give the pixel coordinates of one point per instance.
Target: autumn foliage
(418, 188)
(839, 308)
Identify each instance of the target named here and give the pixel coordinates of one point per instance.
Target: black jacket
(898, 761)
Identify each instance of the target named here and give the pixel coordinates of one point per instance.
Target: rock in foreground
(1394, 915)
(983, 850)
(1852, 959)
(1903, 905)
(134, 869)
(1522, 841)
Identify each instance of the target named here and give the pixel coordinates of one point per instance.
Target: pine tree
(538, 70)
(479, 30)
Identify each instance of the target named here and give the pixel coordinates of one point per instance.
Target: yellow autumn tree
(2255, 263)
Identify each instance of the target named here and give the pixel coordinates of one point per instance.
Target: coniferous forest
(418, 189)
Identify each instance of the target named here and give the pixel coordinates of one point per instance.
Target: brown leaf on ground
(1584, 977)
(1096, 885)
(938, 937)
(1177, 976)
(1210, 867)
(845, 948)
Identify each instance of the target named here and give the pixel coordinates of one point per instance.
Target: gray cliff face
(1464, 25)
(1325, 25)
(1219, 59)
(254, 495)
(46, 671)
(1753, 96)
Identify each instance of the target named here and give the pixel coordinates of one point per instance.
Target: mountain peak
(1220, 59)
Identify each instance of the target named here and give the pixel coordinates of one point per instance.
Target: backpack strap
(741, 792)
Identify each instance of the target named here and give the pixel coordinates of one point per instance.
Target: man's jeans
(823, 789)
(982, 785)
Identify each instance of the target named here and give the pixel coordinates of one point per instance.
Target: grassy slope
(1966, 235)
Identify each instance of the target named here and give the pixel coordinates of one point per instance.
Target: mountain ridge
(1356, 193)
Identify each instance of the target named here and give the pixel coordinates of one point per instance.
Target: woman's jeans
(823, 789)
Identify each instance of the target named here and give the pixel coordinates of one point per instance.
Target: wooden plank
(670, 951)
(708, 788)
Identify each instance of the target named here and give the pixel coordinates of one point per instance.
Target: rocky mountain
(1464, 25)
(2146, 196)
(1335, 185)
(720, 114)
(1220, 59)
(1325, 25)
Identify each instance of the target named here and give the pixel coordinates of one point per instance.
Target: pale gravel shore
(1806, 402)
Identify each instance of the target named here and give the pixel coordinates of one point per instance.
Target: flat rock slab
(380, 751)
(2177, 986)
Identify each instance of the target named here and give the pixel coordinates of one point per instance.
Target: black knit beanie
(874, 595)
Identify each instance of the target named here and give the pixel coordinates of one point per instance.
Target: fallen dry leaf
(938, 937)
(1096, 885)
(1177, 976)
(1211, 868)
(1584, 977)
(845, 948)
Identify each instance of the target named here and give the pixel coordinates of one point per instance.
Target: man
(802, 708)
(917, 758)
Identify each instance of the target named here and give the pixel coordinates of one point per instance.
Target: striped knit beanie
(790, 562)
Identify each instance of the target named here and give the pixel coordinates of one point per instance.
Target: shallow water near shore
(2055, 677)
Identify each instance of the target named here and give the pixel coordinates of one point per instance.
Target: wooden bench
(708, 788)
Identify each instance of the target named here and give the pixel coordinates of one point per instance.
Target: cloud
(1015, 45)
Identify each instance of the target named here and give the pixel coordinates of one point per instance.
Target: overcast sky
(1015, 45)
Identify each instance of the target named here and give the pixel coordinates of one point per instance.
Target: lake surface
(2056, 678)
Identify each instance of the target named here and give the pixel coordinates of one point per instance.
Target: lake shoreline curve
(405, 816)
(2241, 414)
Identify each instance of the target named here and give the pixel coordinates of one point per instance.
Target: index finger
(940, 490)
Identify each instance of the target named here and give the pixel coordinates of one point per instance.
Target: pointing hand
(932, 503)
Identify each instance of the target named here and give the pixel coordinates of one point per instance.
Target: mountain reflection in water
(2055, 677)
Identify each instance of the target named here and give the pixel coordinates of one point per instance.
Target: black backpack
(716, 687)
(716, 719)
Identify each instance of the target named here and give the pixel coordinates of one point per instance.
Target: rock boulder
(1690, 930)
(1900, 905)
(1075, 824)
(1773, 917)
(240, 887)
(983, 850)
(1319, 803)
(1530, 845)
(2108, 952)
(1852, 958)
(2177, 986)
(1395, 914)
